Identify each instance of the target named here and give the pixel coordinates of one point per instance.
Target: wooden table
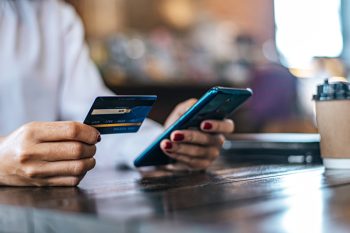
(227, 198)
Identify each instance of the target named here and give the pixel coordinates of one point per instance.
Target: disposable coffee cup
(333, 123)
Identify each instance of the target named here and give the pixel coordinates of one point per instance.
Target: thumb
(178, 111)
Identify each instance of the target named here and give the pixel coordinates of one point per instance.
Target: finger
(62, 131)
(61, 168)
(63, 151)
(179, 110)
(197, 137)
(225, 126)
(195, 151)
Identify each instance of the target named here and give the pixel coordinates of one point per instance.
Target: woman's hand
(196, 149)
(48, 154)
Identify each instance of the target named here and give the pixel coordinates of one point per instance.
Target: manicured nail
(168, 145)
(179, 137)
(207, 126)
(99, 138)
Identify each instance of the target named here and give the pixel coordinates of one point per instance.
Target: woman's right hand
(48, 154)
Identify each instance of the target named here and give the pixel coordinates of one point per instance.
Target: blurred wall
(255, 17)
(103, 17)
(100, 17)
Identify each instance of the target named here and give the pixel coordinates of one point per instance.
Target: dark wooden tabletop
(227, 198)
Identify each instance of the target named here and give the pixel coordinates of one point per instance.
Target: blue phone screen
(218, 108)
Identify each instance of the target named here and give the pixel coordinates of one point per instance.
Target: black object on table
(273, 148)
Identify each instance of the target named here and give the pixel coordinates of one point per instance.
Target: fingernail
(207, 126)
(99, 138)
(168, 145)
(179, 137)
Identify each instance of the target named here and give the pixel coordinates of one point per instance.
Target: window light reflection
(307, 29)
(305, 208)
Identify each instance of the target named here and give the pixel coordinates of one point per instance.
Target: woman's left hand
(196, 149)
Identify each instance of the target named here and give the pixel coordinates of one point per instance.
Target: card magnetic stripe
(116, 125)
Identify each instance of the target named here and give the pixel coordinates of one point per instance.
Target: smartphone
(217, 104)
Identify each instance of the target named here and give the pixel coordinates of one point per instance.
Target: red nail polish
(168, 145)
(179, 137)
(207, 126)
(99, 138)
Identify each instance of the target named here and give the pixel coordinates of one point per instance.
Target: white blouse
(46, 74)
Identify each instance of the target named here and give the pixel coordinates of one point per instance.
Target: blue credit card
(119, 114)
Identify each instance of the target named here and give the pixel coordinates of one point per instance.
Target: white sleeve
(81, 84)
(81, 81)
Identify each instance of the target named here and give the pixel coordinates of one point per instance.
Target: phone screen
(217, 109)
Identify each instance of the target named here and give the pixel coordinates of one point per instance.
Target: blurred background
(178, 49)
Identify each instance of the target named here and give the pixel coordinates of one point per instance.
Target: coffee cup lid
(332, 91)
